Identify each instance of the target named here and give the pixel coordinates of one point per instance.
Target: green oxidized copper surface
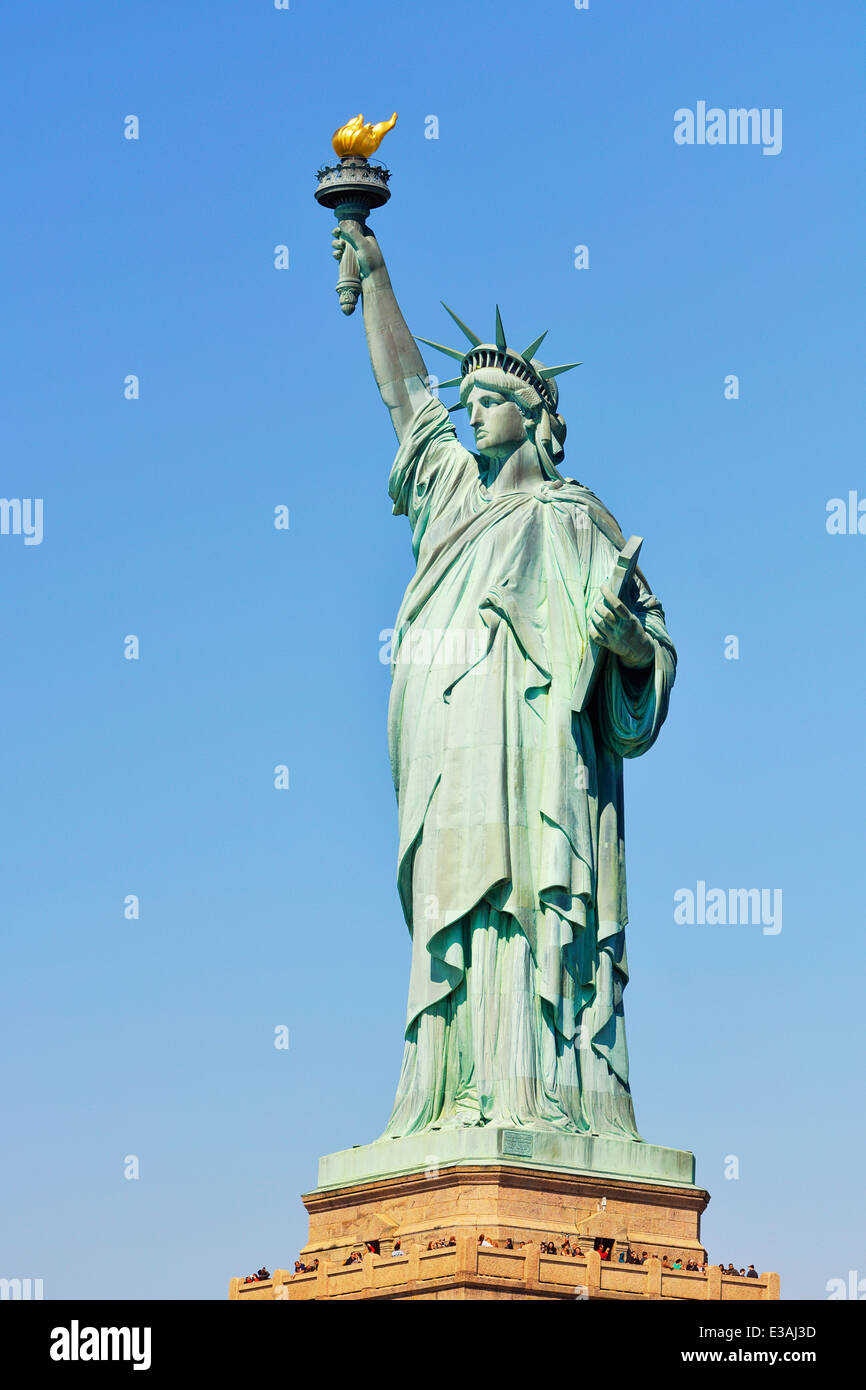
(434, 1151)
(511, 865)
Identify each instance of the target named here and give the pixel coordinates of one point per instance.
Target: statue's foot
(462, 1119)
(535, 1124)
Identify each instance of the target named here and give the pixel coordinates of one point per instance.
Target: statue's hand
(613, 625)
(363, 243)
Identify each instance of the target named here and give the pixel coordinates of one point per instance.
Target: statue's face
(498, 423)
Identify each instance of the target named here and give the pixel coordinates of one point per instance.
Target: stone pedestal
(495, 1207)
(506, 1202)
(546, 1150)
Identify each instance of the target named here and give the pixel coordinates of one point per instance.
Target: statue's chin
(494, 458)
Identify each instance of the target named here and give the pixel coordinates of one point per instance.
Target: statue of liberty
(511, 866)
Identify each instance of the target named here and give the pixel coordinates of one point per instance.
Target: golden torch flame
(356, 138)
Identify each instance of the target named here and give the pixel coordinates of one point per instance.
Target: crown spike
(449, 352)
(548, 372)
(500, 331)
(461, 405)
(455, 381)
(464, 328)
(528, 353)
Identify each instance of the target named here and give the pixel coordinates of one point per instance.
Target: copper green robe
(511, 868)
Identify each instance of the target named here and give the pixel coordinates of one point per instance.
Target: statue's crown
(520, 364)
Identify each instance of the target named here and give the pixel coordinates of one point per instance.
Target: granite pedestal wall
(523, 1186)
(502, 1202)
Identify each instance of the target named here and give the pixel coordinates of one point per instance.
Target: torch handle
(348, 281)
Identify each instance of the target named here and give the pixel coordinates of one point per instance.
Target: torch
(353, 188)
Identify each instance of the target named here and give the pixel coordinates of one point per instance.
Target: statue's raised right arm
(396, 360)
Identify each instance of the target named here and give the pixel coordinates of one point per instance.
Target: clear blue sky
(155, 777)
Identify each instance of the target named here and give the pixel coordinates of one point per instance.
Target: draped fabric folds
(511, 866)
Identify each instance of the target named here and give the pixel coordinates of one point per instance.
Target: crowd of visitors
(566, 1247)
(259, 1276)
(574, 1252)
(694, 1266)
(371, 1247)
(750, 1273)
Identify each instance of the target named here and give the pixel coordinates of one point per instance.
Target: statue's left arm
(634, 690)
